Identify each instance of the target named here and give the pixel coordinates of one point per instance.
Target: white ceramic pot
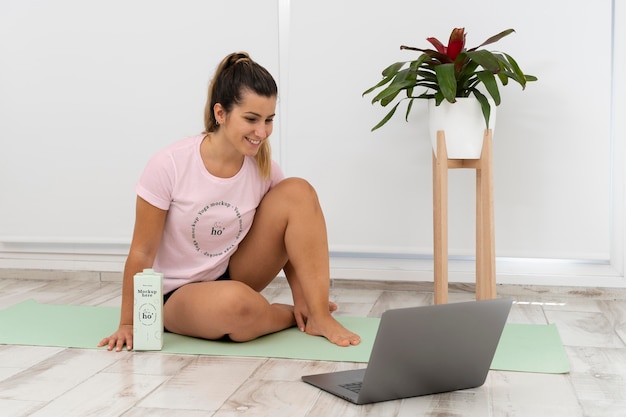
(464, 126)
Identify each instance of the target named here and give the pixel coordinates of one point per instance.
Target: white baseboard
(515, 271)
(63, 256)
(110, 258)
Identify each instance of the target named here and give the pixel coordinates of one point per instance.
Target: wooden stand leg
(485, 242)
(485, 231)
(440, 219)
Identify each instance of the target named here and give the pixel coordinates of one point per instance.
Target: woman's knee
(241, 303)
(297, 185)
(296, 190)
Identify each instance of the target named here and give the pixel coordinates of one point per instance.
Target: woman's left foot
(332, 330)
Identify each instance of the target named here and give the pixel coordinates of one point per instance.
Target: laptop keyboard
(353, 386)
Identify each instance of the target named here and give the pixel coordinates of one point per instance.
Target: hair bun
(237, 57)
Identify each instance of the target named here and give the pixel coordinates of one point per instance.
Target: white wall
(88, 91)
(547, 203)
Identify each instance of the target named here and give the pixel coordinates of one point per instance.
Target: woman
(216, 217)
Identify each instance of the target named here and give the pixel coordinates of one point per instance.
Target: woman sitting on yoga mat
(215, 215)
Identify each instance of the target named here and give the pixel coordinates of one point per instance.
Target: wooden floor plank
(48, 381)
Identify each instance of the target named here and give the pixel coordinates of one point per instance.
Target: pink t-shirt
(207, 216)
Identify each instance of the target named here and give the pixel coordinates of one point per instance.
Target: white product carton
(148, 311)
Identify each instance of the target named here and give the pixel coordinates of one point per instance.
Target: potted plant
(450, 74)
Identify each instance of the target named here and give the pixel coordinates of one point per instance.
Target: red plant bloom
(456, 43)
(438, 45)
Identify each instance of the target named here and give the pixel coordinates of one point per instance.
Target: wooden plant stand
(485, 244)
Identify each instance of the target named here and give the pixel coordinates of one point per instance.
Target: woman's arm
(149, 224)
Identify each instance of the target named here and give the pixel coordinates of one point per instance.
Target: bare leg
(212, 310)
(289, 232)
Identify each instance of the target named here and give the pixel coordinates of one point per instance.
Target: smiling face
(249, 123)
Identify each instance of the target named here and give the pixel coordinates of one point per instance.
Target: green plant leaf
(390, 73)
(466, 76)
(408, 110)
(427, 74)
(426, 95)
(399, 83)
(427, 84)
(516, 70)
(418, 62)
(485, 59)
(438, 98)
(446, 80)
(471, 84)
(484, 105)
(387, 117)
(388, 99)
(489, 80)
(494, 38)
(380, 84)
(393, 68)
(512, 76)
(504, 78)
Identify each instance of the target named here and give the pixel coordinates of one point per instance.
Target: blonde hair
(235, 74)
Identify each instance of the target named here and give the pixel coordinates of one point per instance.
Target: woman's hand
(123, 336)
(301, 313)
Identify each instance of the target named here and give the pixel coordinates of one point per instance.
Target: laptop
(424, 350)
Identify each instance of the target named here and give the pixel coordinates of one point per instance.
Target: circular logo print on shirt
(217, 228)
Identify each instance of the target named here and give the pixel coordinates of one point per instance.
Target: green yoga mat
(524, 348)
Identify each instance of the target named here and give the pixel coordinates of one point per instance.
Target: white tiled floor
(46, 381)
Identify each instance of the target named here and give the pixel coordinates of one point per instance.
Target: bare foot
(332, 330)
